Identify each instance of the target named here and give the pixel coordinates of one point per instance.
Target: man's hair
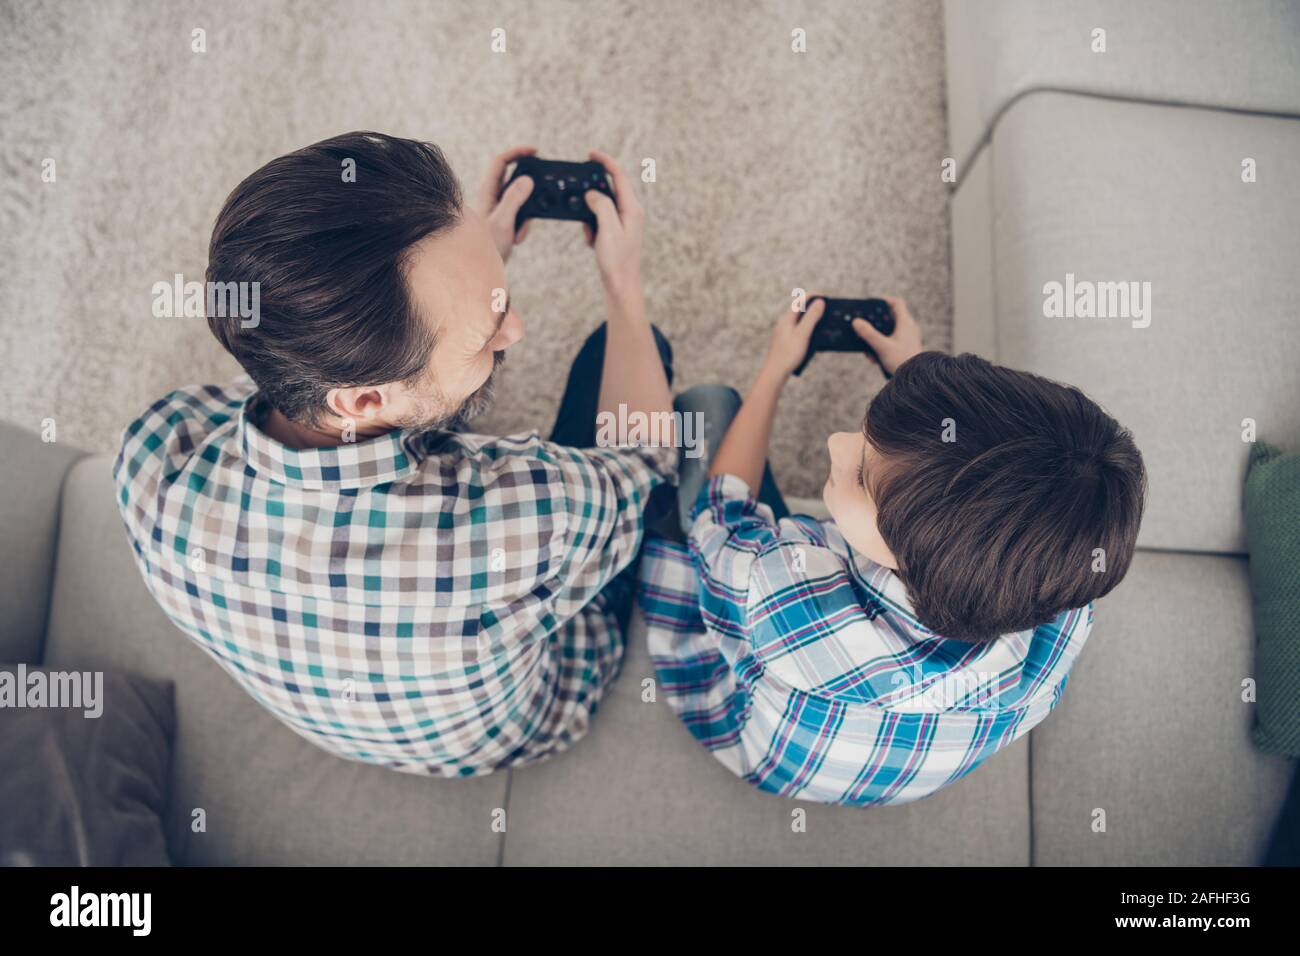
(328, 250)
(997, 488)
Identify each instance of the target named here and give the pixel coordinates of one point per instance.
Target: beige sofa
(1068, 162)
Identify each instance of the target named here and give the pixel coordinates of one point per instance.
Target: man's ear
(361, 403)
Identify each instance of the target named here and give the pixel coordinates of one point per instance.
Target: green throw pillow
(1272, 506)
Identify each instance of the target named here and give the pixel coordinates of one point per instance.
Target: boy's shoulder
(818, 611)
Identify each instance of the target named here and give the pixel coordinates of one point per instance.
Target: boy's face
(848, 499)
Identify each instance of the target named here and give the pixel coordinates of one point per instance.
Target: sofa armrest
(31, 476)
(1190, 52)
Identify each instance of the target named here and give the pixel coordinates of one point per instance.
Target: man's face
(848, 497)
(458, 284)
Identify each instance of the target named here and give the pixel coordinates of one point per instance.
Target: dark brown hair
(328, 253)
(996, 489)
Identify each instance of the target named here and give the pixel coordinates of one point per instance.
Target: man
(395, 590)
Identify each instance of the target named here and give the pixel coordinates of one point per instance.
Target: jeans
(575, 422)
(575, 426)
(718, 404)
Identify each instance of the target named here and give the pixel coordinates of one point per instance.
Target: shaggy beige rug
(775, 169)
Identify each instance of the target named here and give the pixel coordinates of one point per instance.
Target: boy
(878, 656)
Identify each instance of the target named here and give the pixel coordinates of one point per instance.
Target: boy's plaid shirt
(801, 665)
(433, 604)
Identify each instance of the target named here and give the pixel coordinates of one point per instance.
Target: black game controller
(559, 189)
(834, 332)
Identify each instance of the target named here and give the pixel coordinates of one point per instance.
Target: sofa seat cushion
(639, 790)
(266, 796)
(1124, 192)
(1153, 731)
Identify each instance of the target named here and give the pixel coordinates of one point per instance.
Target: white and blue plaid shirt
(801, 666)
(438, 605)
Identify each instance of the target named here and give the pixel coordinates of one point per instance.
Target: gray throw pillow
(85, 767)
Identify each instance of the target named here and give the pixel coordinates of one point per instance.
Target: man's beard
(456, 420)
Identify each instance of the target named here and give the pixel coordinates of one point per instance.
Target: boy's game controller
(834, 332)
(559, 189)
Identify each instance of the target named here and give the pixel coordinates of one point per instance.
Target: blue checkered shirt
(800, 664)
(437, 605)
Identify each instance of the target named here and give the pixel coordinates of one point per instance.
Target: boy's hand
(895, 349)
(790, 338)
(620, 224)
(500, 209)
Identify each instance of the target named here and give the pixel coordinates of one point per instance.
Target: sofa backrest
(32, 472)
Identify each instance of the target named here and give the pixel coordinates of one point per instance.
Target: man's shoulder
(500, 484)
(193, 405)
(491, 461)
(177, 426)
(524, 460)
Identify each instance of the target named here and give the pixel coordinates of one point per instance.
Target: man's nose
(512, 330)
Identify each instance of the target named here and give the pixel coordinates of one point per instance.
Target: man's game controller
(834, 332)
(559, 189)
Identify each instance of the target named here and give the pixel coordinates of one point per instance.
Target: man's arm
(633, 374)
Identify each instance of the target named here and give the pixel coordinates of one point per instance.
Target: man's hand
(790, 338)
(618, 230)
(500, 209)
(893, 350)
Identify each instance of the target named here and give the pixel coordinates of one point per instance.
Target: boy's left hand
(790, 338)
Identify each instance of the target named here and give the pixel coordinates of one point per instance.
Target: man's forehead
(457, 274)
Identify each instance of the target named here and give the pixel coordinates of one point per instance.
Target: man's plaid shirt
(437, 605)
(801, 665)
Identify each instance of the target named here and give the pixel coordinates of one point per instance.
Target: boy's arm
(744, 448)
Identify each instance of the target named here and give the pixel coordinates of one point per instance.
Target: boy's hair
(1006, 498)
(328, 250)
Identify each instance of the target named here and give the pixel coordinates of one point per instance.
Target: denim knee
(709, 398)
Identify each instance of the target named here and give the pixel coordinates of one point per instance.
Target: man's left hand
(500, 209)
